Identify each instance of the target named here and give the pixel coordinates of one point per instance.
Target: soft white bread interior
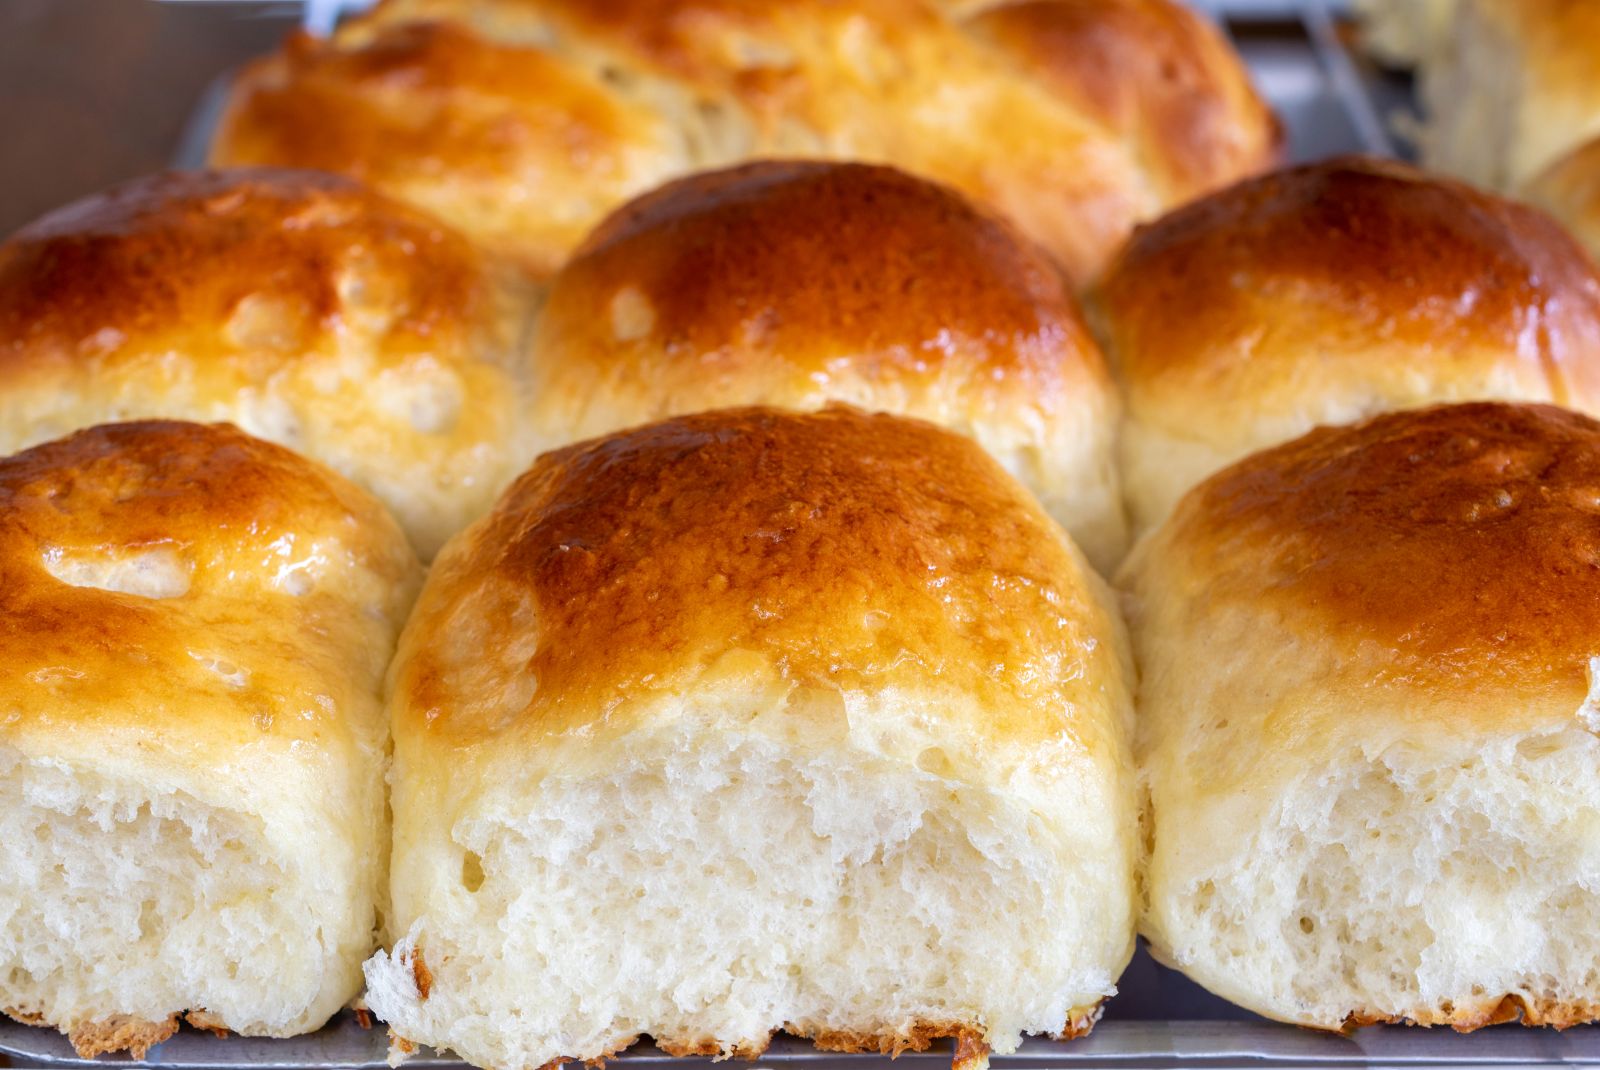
(1370, 701)
(799, 283)
(302, 307)
(754, 721)
(1327, 293)
(191, 735)
(1513, 88)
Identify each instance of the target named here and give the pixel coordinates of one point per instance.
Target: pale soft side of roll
(300, 306)
(523, 122)
(1406, 33)
(1327, 293)
(1569, 189)
(1513, 89)
(753, 721)
(799, 283)
(1369, 703)
(192, 741)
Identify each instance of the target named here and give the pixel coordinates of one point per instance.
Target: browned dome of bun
(194, 629)
(524, 121)
(1465, 539)
(1329, 292)
(1370, 715)
(831, 683)
(800, 283)
(300, 306)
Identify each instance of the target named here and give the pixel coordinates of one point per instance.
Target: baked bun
(754, 720)
(196, 629)
(1514, 89)
(1369, 701)
(1327, 293)
(523, 122)
(1569, 189)
(799, 283)
(301, 307)
(1404, 33)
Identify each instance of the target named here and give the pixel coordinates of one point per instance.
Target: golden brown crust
(1383, 272)
(421, 974)
(1159, 74)
(684, 1047)
(918, 1036)
(187, 247)
(240, 539)
(207, 1021)
(1483, 1011)
(849, 551)
(1462, 541)
(793, 283)
(120, 1033)
(308, 308)
(353, 104)
(586, 104)
(801, 262)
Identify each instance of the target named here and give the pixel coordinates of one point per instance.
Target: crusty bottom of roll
(125, 909)
(717, 889)
(1459, 891)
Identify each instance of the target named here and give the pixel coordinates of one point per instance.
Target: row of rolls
(807, 596)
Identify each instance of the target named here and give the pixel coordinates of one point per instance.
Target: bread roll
(1405, 33)
(524, 121)
(196, 629)
(303, 308)
(796, 284)
(1514, 90)
(1326, 293)
(1369, 701)
(1569, 189)
(753, 720)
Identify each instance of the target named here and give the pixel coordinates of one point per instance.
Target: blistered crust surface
(852, 554)
(1454, 546)
(194, 583)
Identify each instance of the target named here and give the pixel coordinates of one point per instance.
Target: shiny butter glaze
(271, 598)
(1458, 545)
(838, 553)
(301, 306)
(524, 121)
(1353, 281)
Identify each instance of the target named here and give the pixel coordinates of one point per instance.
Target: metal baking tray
(1332, 100)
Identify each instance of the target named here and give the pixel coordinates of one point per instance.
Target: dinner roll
(1326, 293)
(302, 307)
(753, 720)
(1514, 89)
(1569, 189)
(800, 283)
(1404, 33)
(192, 741)
(1369, 701)
(524, 121)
